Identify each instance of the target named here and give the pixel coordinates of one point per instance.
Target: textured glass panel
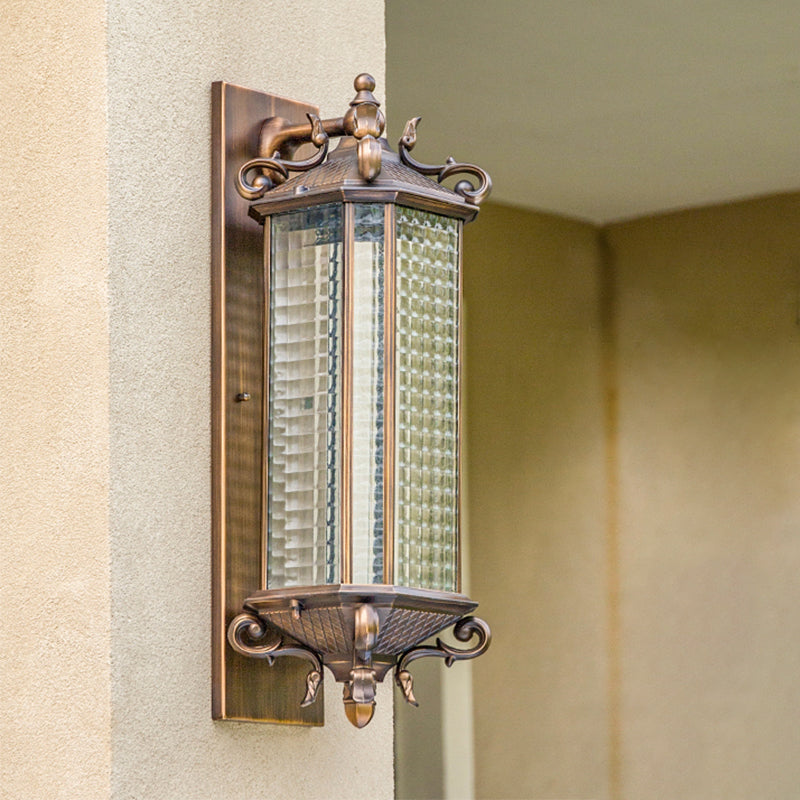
(368, 358)
(427, 402)
(304, 342)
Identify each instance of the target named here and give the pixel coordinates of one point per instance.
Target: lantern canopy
(360, 508)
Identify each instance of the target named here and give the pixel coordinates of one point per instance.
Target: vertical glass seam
(389, 469)
(265, 323)
(459, 405)
(346, 564)
(333, 466)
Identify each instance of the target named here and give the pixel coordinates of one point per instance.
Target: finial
(365, 122)
(364, 82)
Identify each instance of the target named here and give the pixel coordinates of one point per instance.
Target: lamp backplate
(242, 688)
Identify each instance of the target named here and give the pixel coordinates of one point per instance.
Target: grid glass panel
(368, 361)
(304, 355)
(427, 401)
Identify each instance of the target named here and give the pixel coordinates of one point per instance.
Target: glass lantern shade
(359, 511)
(363, 397)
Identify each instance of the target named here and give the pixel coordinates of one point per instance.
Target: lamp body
(360, 556)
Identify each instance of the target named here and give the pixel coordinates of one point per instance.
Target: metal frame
(242, 688)
(266, 260)
(329, 624)
(346, 478)
(358, 631)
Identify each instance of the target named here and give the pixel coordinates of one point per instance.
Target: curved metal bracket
(275, 170)
(465, 188)
(464, 630)
(250, 636)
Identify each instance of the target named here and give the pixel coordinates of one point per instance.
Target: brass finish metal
(365, 123)
(275, 170)
(265, 400)
(339, 180)
(359, 714)
(330, 625)
(279, 135)
(242, 688)
(366, 624)
(463, 630)
(346, 556)
(446, 170)
(359, 632)
(248, 635)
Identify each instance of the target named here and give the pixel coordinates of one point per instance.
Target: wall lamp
(336, 406)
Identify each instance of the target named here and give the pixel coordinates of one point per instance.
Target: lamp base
(359, 632)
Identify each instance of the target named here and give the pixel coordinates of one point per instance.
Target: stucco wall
(107, 439)
(54, 549)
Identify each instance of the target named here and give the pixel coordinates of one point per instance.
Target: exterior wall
(108, 440)
(709, 468)
(634, 455)
(434, 745)
(537, 504)
(55, 734)
(420, 737)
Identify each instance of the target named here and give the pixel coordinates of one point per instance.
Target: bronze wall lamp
(336, 405)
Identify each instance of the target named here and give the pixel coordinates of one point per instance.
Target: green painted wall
(634, 457)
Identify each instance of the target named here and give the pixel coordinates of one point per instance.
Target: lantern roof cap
(363, 168)
(338, 178)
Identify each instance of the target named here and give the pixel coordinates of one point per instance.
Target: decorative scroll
(275, 170)
(463, 630)
(251, 636)
(465, 188)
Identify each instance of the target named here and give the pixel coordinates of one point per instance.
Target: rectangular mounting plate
(242, 688)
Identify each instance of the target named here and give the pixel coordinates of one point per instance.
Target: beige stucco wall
(106, 315)
(54, 549)
(634, 456)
